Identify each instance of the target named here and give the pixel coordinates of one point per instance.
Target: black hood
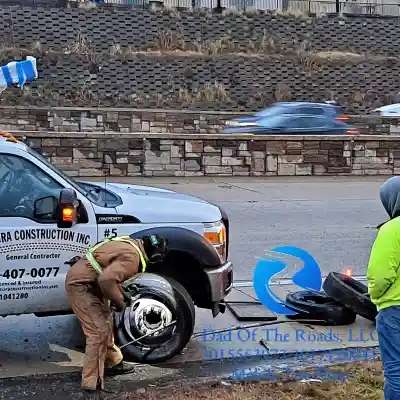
(390, 196)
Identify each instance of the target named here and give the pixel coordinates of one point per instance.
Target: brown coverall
(89, 294)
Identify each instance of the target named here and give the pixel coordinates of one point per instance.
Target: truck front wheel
(160, 304)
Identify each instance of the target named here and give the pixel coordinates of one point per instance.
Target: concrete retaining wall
(104, 56)
(125, 120)
(214, 155)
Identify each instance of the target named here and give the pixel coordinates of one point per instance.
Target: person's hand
(117, 307)
(120, 307)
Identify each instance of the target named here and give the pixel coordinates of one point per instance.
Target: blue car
(293, 125)
(290, 108)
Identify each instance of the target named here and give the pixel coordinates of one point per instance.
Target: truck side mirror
(45, 208)
(67, 208)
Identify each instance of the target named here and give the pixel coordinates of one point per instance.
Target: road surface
(332, 218)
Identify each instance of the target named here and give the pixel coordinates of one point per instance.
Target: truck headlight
(215, 233)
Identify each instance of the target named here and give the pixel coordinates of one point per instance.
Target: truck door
(33, 251)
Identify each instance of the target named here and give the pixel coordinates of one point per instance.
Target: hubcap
(144, 317)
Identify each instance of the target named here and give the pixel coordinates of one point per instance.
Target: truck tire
(319, 306)
(351, 293)
(175, 299)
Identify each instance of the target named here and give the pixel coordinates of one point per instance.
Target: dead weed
(210, 92)
(365, 383)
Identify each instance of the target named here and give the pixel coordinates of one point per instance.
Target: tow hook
(222, 307)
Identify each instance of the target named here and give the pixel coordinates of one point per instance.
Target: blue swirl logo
(309, 278)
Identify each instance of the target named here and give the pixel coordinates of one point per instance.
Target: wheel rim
(147, 316)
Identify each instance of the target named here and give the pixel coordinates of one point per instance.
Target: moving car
(391, 110)
(291, 108)
(294, 125)
(48, 219)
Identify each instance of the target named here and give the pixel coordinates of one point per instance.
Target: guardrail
(373, 8)
(366, 8)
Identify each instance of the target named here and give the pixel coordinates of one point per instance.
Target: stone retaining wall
(213, 155)
(117, 57)
(126, 120)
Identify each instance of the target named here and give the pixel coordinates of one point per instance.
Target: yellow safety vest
(126, 239)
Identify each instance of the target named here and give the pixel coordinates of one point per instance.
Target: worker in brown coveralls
(97, 279)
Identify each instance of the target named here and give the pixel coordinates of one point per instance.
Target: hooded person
(95, 281)
(384, 286)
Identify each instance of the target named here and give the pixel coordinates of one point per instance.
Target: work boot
(120, 369)
(88, 390)
(90, 394)
(110, 391)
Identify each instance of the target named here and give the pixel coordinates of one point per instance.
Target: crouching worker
(94, 281)
(384, 287)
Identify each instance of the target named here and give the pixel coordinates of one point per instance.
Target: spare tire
(157, 302)
(319, 306)
(351, 293)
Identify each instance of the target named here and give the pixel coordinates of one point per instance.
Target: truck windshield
(63, 175)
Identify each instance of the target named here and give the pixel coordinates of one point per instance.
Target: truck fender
(186, 241)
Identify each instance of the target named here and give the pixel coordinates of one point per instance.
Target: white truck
(47, 219)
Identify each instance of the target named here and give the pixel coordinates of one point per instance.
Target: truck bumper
(220, 280)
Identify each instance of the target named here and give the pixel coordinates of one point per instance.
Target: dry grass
(80, 46)
(235, 12)
(172, 43)
(215, 47)
(210, 92)
(167, 40)
(266, 47)
(83, 46)
(365, 383)
(282, 93)
(339, 55)
(290, 12)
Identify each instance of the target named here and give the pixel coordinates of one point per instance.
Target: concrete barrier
(94, 154)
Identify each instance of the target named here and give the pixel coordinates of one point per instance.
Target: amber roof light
(9, 136)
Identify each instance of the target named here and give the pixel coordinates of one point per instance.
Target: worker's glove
(117, 307)
(127, 300)
(120, 307)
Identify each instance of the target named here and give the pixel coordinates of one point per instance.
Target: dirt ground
(356, 381)
(363, 381)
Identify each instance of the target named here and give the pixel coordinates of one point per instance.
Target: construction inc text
(40, 234)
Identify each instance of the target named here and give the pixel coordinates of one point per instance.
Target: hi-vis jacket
(383, 267)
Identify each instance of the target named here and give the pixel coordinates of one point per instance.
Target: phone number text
(19, 273)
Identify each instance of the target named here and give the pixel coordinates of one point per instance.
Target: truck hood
(156, 205)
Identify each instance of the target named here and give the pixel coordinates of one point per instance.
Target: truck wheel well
(189, 273)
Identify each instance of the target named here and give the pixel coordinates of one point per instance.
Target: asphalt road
(334, 219)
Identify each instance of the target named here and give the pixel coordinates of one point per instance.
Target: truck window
(58, 172)
(83, 188)
(22, 183)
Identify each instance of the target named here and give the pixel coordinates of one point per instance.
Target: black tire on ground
(153, 350)
(319, 306)
(351, 293)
